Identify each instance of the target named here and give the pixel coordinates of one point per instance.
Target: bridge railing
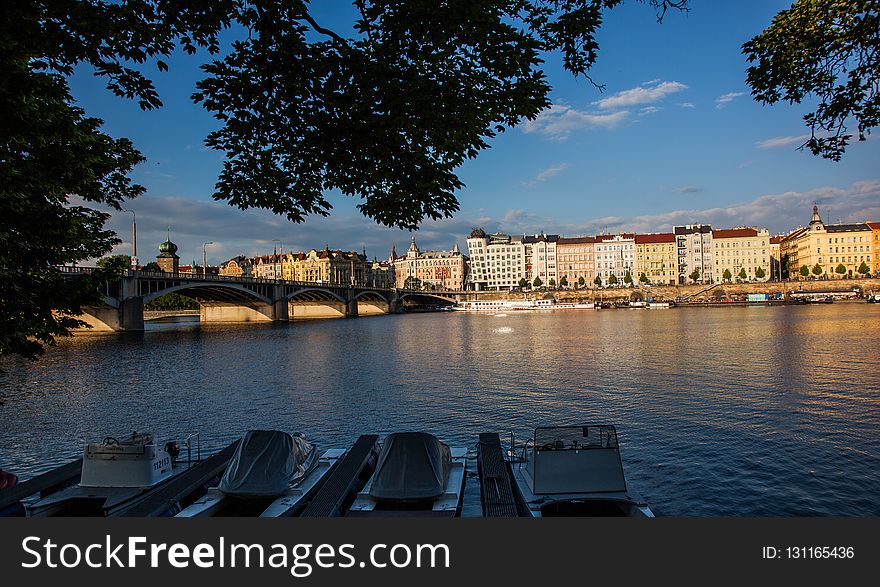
(222, 278)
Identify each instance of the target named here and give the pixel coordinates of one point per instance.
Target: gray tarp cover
(412, 466)
(265, 463)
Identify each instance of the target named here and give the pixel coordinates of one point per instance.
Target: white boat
(500, 306)
(272, 474)
(416, 475)
(638, 304)
(659, 305)
(116, 474)
(574, 471)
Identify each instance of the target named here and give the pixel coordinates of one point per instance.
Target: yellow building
(237, 267)
(740, 254)
(325, 267)
(875, 246)
(656, 258)
(828, 250)
(776, 257)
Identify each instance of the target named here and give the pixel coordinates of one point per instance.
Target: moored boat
(416, 475)
(115, 475)
(272, 474)
(499, 306)
(571, 471)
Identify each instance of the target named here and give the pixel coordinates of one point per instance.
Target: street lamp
(205, 257)
(134, 239)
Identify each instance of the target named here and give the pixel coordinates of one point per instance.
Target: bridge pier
(351, 308)
(127, 317)
(210, 312)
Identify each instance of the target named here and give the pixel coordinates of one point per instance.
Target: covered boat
(575, 471)
(271, 474)
(416, 475)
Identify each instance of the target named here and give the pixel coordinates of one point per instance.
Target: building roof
(550, 238)
(576, 240)
(657, 237)
(873, 225)
(775, 240)
(692, 229)
(734, 232)
(846, 227)
(610, 237)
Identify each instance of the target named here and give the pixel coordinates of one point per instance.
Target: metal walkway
(342, 485)
(171, 492)
(496, 492)
(44, 484)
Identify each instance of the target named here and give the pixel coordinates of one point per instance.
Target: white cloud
(559, 121)
(777, 142)
(648, 110)
(654, 91)
(687, 189)
(686, 105)
(545, 174)
(724, 99)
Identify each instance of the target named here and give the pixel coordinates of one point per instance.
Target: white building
(744, 253)
(540, 258)
(694, 247)
(616, 255)
(498, 261)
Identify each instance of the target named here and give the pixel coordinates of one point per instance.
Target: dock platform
(48, 482)
(497, 496)
(342, 484)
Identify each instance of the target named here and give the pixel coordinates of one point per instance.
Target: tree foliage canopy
(385, 112)
(829, 51)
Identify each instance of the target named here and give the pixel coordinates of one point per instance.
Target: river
(752, 411)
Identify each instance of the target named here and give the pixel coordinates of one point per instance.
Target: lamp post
(205, 257)
(134, 239)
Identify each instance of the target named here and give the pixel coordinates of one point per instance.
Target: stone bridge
(247, 299)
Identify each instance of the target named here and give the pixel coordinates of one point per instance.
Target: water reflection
(721, 411)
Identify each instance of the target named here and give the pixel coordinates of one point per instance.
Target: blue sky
(675, 137)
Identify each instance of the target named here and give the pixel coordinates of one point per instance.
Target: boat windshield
(575, 437)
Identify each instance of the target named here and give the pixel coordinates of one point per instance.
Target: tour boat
(874, 298)
(659, 305)
(571, 471)
(638, 304)
(116, 474)
(416, 475)
(498, 306)
(272, 474)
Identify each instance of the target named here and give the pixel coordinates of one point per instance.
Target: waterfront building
(236, 267)
(380, 274)
(328, 267)
(694, 251)
(167, 258)
(497, 261)
(823, 248)
(776, 265)
(267, 266)
(616, 255)
(743, 252)
(575, 260)
(541, 258)
(430, 269)
(875, 246)
(656, 258)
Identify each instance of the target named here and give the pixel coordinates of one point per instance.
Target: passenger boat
(570, 471)
(874, 298)
(272, 474)
(498, 306)
(638, 304)
(115, 475)
(660, 305)
(416, 475)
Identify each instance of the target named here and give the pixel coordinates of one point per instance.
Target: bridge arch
(308, 294)
(213, 292)
(427, 294)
